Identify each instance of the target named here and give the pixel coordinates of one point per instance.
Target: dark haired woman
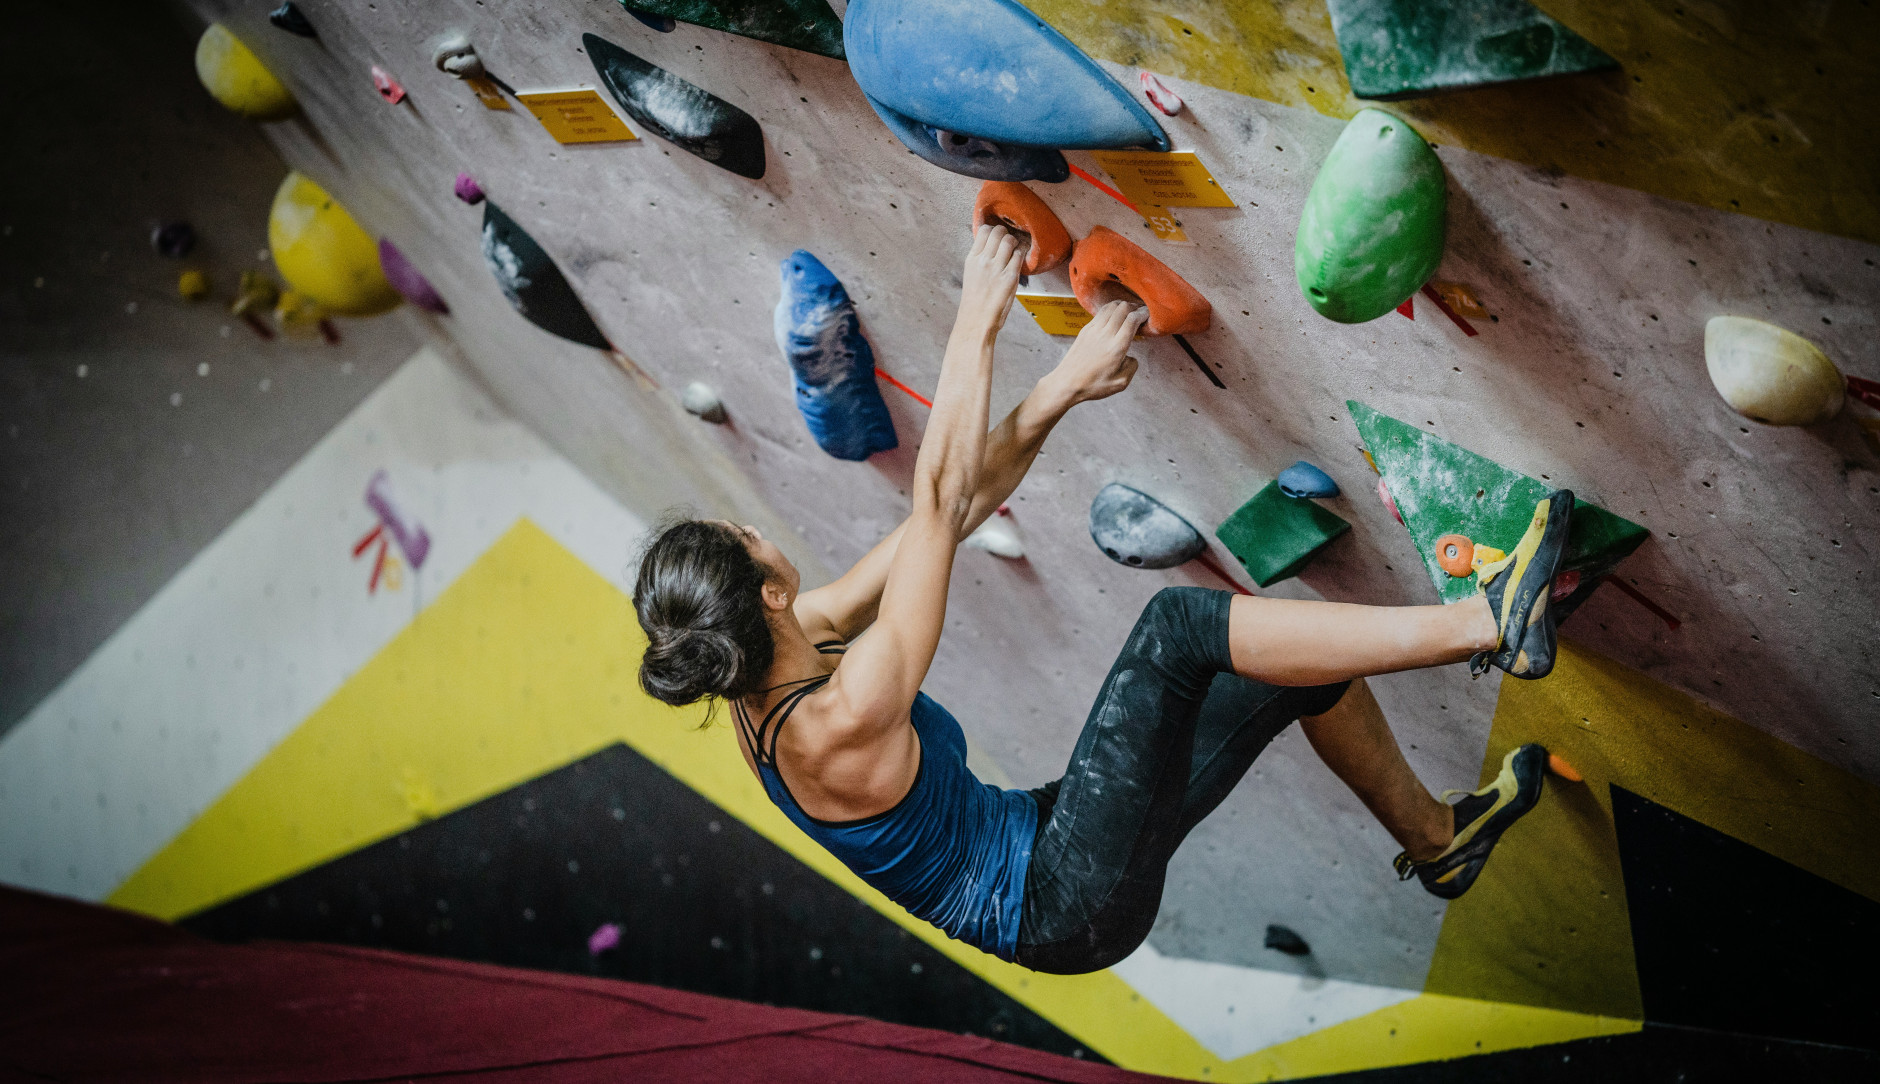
(1066, 878)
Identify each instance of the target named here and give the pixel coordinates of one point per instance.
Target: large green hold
(809, 25)
(1406, 48)
(1444, 489)
(1372, 229)
(1273, 535)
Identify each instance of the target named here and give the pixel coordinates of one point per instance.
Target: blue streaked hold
(832, 363)
(1134, 529)
(1302, 479)
(974, 157)
(992, 70)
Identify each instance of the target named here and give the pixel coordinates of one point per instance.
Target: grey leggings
(1171, 733)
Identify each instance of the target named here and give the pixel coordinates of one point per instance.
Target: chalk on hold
(1396, 49)
(1455, 553)
(467, 189)
(1159, 95)
(691, 118)
(390, 89)
(235, 76)
(289, 17)
(1016, 207)
(809, 25)
(1106, 260)
(700, 399)
(192, 286)
(971, 157)
(1769, 374)
(997, 538)
(665, 24)
(533, 284)
(1283, 939)
(1134, 529)
(408, 281)
(1273, 536)
(1558, 765)
(1302, 479)
(1372, 229)
(173, 239)
(832, 364)
(323, 254)
(456, 56)
(1390, 502)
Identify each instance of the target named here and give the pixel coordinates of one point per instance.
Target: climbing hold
(192, 286)
(296, 312)
(1273, 535)
(665, 24)
(970, 157)
(235, 76)
(990, 69)
(256, 294)
(456, 56)
(809, 25)
(1455, 554)
(1567, 582)
(674, 109)
(1134, 529)
(173, 239)
(390, 89)
(1372, 229)
(998, 539)
(1106, 260)
(606, 936)
(1018, 208)
(1397, 49)
(1390, 502)
(1460, 297)
(533, 284)
(1283, 939)
(1483, 556)
(407, 280)
(1558, 765)
(467, 189)
(1302, 479)
(288, 17)
(322, 252)
(1159, 95)
(701, 400)
(1769, 374)
(833, 365)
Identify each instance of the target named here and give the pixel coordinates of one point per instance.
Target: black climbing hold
(665, 24)
(289, 18)
(1282, 939)
(694, 119)
(173, 239)
(532, 283)
(1134, 529)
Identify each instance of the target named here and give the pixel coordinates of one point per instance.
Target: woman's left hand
(990, 278)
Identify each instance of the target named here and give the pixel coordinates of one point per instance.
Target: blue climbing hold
(1134, 529)
(833, 364)
(1302, 479)
(974, 157)
(990, 69)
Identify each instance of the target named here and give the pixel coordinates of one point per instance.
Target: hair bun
(697, 598)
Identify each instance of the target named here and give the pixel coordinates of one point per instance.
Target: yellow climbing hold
(1484, 556)
(1769, 374)
(323, 254)
(192, 286)
(235, 76)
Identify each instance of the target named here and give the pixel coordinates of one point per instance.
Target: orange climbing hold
(1456, 554)
(1558, 765)
(1012, 205)
(1106, 259)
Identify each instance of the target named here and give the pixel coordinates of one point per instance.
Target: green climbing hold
(809, 25)
(1444, 489)
(1372, 229)
(1273, 535)
(1406, 48)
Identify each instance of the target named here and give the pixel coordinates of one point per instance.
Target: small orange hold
(1106, 259)
(1558, 765)
(1455, 553)
(1012, 205)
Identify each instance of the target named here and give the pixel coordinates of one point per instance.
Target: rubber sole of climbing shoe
(1491, 811)
(1518, 588)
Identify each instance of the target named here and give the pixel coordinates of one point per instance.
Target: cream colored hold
(1769, 374)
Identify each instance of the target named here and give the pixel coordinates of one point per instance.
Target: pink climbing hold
(1160, 96)
(467, 189)
(604, 938)
(1390, 502)
(389, 89)
(408, 280)
(1565, 584)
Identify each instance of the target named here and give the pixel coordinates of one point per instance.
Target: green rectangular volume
(1397, 49)
(1444, 489)
(1273, 535)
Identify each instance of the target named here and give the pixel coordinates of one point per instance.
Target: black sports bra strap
(763, 736)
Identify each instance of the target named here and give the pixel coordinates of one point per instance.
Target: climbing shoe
(1481, 817)
(1517, 588)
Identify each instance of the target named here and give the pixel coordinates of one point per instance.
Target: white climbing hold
(997, 538)
(1769, 374)
(701, 400)
(456, 56)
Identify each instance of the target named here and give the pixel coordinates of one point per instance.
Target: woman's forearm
(1013, 445)
(948, 467)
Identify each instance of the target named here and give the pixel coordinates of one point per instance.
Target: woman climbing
(1066, 878)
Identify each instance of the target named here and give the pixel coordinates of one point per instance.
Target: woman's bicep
(882, 672)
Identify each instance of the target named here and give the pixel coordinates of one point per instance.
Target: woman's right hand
(991, 278)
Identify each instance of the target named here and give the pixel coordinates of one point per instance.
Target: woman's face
(768, 555)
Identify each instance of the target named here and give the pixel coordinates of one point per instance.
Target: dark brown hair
(698, 598)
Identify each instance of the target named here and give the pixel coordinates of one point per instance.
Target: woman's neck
(795, 658)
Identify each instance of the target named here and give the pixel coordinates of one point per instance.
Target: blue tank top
(954, 851)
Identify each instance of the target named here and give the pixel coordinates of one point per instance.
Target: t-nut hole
(1317, 294)
(1113, 555)
(1134, 560)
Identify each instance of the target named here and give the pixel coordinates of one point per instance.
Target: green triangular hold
(1443, 489)
(808, 25)
(1406, 48)
(1273, 535)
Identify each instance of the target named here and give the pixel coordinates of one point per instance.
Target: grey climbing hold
(700, 399)
(1134, 529)
(1302, 479)
(288, 17)
(1282, 939)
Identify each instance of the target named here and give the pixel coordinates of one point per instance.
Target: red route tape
(371, 536)
(918, 397)
(1430, 292)
(1638, 596)
(1207, 562)
(1105, 189)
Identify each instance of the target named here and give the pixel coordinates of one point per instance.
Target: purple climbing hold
(413, 540)
(467, 189)
(607, 936)
(1302, 479)
(408, 281)
(173, 239)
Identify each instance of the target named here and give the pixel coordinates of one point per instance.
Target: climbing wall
(1598, 268)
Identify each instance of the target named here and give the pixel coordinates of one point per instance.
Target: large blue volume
(833, 365)
(993, 70)
(972, 156)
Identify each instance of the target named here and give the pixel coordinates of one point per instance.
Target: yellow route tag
(1162, 221)
(576, 115)
(1156, 179)
(1055, 313)
(489, 94)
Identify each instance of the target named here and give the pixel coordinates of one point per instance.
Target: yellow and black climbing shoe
(1517, 588)
(1481, 817)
